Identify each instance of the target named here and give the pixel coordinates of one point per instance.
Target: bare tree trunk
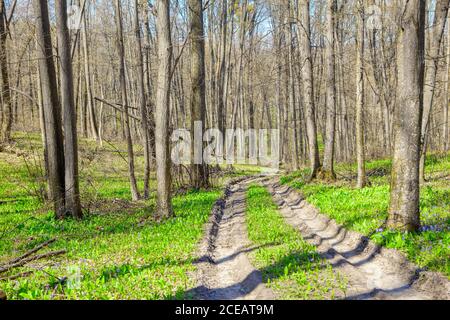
(51, 108)
(360, 146)
(405, 188)
(123, 86)
(72, 190)
(198, 98)
(221, 108)
(328, 161)
(7, 112)
(42, 121)
(143, 102)
(148, 82)
(87, 74)
(162, 114)
(291, 108)
(446, 94)
(436, 36)
(304, 29)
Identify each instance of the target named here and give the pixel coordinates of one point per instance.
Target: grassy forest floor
(123, 253)
(290, 266)
(365, 210)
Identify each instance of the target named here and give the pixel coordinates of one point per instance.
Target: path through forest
(225, 272)
(372, 272)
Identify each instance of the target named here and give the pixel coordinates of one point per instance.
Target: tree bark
(7, 112)
(328, 161)
(446, 94)
(51, 109)
(72, 189)
(87, 73)
(123, 86)
(162, 114)
(198, 97)
(405, 188)
(360, 145)
(432, 66)
(143, 102)
(221, 108)
(304, 30)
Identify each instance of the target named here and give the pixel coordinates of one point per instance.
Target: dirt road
(373, 272)
(224, 270)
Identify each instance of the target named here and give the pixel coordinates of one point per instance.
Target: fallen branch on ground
(27, 260)
(29, 253)
(17, 276)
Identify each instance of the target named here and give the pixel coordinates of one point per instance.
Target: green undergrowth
(365, 210)
(119, 255)
(118, 251)
(289, 265)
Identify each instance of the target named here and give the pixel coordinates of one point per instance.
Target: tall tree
(198, 97)
(432, 66)
(162, 112)
(360, 153)
(304, 30)
(142, 101)
(51, 109)
(7, 112)
(221, 78)
(328, 160)
(291, 107)
(123, 89)
(405, 188)
(72, 189)
(88, 77)
(446, 92)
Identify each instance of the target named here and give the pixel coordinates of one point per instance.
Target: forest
(224, 150)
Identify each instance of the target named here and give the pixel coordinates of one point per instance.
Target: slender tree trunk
(436, 36)
(72, 190)
(87, 73)
(143, 101)
(198, 98)
(162, 114)
(328, 161)
(291, 87)
(221, 114)
(405, 188)
(7, 112)
(446, 94)
(360, 146)
(51, 108)
(304, 29)
(42, 121)
(123, 87)
(148, 82)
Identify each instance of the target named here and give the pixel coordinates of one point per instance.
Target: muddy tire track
(224, 271)
(373, 272)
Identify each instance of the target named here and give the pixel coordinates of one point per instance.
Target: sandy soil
(224, 271)
(373, 272)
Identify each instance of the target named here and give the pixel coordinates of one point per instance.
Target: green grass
(366, 210)
(121, 255)
(121, 252)
(289, 265)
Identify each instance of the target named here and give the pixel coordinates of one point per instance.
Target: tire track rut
(224, 271)
(373, 272)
